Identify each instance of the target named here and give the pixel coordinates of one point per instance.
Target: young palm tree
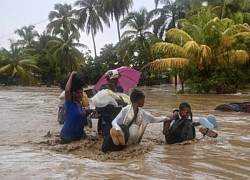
(117, 9)
(16, 64)
(210, 44)
(62, 20)
(176, 55)
(90, 16)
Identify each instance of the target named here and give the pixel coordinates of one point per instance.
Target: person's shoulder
(144, 111)
(126, 108)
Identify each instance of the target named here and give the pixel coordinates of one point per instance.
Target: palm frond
(206, 56)
(26, 62)
(168, 49)
(161, 65)
(178, 36)
(240, 56)
(192, 49)
(5, 68)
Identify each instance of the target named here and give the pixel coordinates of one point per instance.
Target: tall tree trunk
(119, 37)
(93, 39)
(118, 29)
(175, 80)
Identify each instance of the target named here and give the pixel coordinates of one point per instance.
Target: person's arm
(120, 118)
(152, 119)
(68, 86)
(196, 124)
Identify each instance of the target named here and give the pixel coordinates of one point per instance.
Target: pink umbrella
(129, 78)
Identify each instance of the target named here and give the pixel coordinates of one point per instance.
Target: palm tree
(177, 55)
(139, 38)
(209, 44)
(231, 9)
(62, 20)
(116, 9)
(39, 51)
(16, 64)
(65, 54)
(28, 34)
(90, 16)
(168, 15)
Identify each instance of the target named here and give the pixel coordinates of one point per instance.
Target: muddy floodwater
(29, 136)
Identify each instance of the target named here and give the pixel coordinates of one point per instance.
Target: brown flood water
(28, 113)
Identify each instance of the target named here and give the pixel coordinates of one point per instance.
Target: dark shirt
(180, 131)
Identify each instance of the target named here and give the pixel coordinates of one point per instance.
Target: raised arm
(68, 86)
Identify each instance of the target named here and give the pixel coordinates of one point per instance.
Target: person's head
(138, 97)
(77, 85)
(112, 78)
(184, 110)
(78, 82)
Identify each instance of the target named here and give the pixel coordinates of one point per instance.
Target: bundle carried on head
(78, 82)
(112, 74)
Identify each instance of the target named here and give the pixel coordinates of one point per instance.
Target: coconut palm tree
(28, 34)
(18, 65)
(117, 9)
(90, 17)
(39, 51)
(64, 53)
(62, 19)
(168, 15)
(138, 38)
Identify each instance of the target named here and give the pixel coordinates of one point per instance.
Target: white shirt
(146, 118)
(61, 99)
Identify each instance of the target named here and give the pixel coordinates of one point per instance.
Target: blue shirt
(73, 126)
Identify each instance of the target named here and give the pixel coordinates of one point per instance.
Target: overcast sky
(15, 14)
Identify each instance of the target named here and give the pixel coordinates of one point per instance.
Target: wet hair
(78, 82)
(136, 95)
(184, 105)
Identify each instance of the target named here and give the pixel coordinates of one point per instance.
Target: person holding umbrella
(109, 112)
(112, 77)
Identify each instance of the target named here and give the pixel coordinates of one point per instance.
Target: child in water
(182, 127)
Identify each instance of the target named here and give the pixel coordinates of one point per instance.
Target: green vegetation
(204, 43)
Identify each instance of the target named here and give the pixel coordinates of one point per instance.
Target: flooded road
(28, 113)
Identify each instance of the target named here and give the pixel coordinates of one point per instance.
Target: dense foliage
(204, 43)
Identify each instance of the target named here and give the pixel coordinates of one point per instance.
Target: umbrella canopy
(129, 77)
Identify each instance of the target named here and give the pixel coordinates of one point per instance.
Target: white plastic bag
(103, 98)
